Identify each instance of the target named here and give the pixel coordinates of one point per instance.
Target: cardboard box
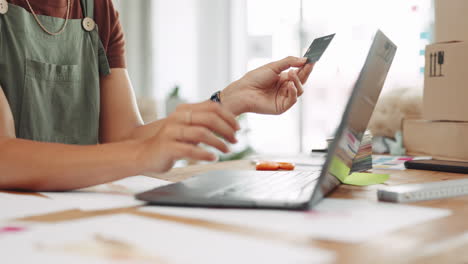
(441, 140)
(446, 82)
(451, 20)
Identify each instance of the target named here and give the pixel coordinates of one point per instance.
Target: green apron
(52, 82)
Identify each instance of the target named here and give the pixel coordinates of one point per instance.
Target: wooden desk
(398, 247)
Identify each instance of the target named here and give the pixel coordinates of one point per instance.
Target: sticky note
(339, 169)
(365, 179)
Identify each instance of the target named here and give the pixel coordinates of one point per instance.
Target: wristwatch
(216, 97)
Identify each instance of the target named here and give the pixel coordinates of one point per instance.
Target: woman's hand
(183, 130)
(268, 89)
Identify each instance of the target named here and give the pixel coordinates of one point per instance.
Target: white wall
(135, 17)
(175, 46)
(193, 46)
(191, 43)
(214, 42)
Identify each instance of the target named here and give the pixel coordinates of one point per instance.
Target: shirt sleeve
(111, 33)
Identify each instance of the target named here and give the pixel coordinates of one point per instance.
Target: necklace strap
(61, 30)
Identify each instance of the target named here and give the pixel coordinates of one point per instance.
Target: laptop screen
(356, 117)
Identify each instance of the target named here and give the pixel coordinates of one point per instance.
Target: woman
(65, 89)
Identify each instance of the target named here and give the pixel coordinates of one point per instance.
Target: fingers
(193, 152)
(196, 135)
(291, 98)
(226, 115)
(216, 124)
(211, 107)
(286, 63)
(297, 82)
(305, 71)
(209, 115)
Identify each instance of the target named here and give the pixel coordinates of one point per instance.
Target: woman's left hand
(268, 89)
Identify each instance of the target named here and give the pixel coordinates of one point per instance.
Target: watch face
(215, 97)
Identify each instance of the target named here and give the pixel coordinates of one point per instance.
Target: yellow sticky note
(365, 179)
(339, 169)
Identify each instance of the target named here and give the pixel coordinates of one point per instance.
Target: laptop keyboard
(276, 185)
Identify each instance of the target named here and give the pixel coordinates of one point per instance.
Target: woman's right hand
(181, 133)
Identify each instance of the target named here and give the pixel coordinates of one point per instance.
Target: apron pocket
(50, 109)
(52, 72)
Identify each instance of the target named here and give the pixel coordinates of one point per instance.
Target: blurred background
(201, 46)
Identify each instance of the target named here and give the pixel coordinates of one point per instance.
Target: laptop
(293, 190)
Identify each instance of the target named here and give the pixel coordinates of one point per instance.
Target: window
(290, 26)
(203, 45)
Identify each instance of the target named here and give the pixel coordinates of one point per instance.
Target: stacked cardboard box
(450, 20)
(444, 132)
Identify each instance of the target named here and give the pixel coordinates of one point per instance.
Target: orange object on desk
(286, 166)
(272, 166)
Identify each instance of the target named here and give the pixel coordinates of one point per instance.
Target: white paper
(88, 201)
(135, 239)
(117, 194)
(333, 219)
(18, 206)
(130, 185)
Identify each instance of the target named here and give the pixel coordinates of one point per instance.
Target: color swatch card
(317, 48)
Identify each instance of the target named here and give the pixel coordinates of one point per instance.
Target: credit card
(317, 48)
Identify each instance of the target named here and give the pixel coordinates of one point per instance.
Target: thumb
(286, 63)
(305, 71)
